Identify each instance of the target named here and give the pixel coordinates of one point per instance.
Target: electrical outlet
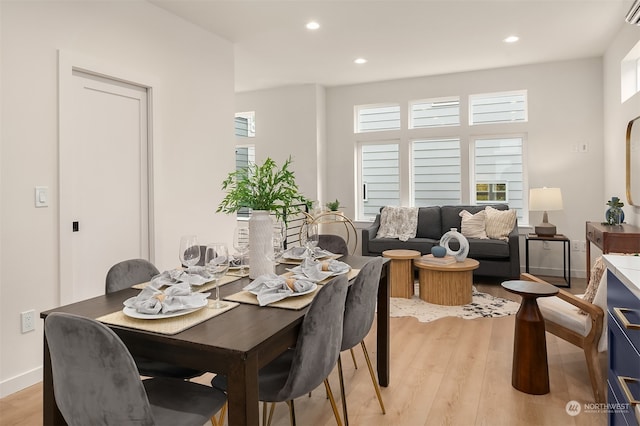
(545, 245)
(575, 245)
(28, 321)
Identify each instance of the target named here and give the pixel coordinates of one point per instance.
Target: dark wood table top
(530, 288)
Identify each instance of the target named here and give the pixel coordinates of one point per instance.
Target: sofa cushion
(429, 223)
(451, 215)
(423, 245)
(473, 225)
(500, 223)
(488, 249)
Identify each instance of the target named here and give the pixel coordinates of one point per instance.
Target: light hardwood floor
(447, 372)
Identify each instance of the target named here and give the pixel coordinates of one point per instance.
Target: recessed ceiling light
(511, 39)
(313, 25)
(360, 61)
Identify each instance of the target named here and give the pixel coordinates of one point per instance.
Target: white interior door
(104, 181)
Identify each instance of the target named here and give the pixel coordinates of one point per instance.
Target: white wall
(289, 122)
(565, 109)
(193, 143)
(616, 117)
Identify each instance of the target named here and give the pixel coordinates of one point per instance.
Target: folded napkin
(177, 297)
(304, 253)
(271, 287)
(193, 275)
(319, 270)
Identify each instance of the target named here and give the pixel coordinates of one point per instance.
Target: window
(245, 127)
(491, 192)
(380, 177)
(502, 107)
(430, 163)
(436, 172)
(630, 73)
(377, 118)
(499, 172)
(245, 155)
(245, 123)
(434, 113)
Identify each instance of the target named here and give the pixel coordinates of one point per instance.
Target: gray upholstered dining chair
(124, 275)
(95, 381)
(358, 317)
(301, 369)
(333, 243)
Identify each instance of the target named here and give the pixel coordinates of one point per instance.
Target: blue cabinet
(623, 311)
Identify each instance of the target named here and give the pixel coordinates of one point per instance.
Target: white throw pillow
(398, 222)
(499, 223)
(473, 225)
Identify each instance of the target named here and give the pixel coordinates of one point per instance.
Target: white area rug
(482, 306)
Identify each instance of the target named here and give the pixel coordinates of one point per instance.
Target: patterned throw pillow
(398, 222)
(499, 223)
(473, 225)
(597, 271)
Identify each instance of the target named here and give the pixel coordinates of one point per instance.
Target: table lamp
(545, 199)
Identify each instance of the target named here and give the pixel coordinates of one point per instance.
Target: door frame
(67, 63)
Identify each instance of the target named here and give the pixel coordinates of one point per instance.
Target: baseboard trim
(21, 381)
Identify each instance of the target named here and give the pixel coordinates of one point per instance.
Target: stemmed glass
(216, 263)
(189, 250)
(310, 236)
(241, 244)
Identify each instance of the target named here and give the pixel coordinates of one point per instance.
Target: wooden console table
(622, 238)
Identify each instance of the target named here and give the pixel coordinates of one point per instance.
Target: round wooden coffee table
(530, 372)
(401, 271)
(448, 285)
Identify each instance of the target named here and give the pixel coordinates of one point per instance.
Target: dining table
(236, 343)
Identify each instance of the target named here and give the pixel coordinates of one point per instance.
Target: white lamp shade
(545, 199)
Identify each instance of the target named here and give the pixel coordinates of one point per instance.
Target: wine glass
(311, 236)
(189, 250)
(241, 244)
(216, 263)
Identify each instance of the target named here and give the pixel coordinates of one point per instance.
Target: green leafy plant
(615, 202)
(263, 187)
(333, 205)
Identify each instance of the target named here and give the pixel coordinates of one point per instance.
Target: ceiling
(399, 38)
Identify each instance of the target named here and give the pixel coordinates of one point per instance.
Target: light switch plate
(42, 196)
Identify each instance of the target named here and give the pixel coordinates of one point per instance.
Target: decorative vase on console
(463, 251)
(614, 214)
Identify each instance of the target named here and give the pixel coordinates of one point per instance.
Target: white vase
(453, 234)
(260, 244)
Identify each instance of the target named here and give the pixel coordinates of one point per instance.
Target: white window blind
(504, 107)
(380, 177)
(377, 118)
(245, 124)
(245, 155)
(435, 113)
(436, 172)
(500, 160)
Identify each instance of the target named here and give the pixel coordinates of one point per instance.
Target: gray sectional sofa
(497, 258)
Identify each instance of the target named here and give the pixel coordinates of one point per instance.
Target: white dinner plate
(302, 293)
(132, 313)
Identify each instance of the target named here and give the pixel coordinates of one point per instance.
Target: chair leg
(353, 357)
(220, 421)
(333, 402)
(345, 416)
(595, 373)
(292, 412)
(264, 414)
(373, 376)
